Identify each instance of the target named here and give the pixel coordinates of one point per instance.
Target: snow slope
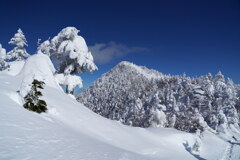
(71, 131)
(15, 68)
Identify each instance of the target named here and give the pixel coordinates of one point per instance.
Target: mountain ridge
(149, 73)
(119, 93)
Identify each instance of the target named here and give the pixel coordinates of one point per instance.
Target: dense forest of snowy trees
(141, 97)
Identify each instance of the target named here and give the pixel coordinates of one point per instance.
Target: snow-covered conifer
(195, 149)
(171, 120)
(18, 52)
(158, 117)
(2, 52)
(69, 82)
(32, 100)
(72, 53)
(44, 47)
(3, 64)
(222, 127)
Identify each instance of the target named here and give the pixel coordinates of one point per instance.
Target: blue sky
(171, 36)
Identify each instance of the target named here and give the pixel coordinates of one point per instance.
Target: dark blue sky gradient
(191, 36)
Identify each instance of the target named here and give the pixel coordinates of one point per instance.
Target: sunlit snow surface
(70, 131)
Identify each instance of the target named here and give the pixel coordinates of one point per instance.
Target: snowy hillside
(138, 96)
(68, 130)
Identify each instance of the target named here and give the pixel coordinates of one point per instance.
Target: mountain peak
(142, 70)
(124, 63)
(134, 95)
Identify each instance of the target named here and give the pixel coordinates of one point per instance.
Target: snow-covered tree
(3, 64)
(2, 52)
(32, 101)
(69, 82)
(197, 122)
(72, 54)
(223, 123)
(195, 149)
(238, 99)
(18, 52)
(158, 116)
(44, 47)
(213, 121)
(171, 120)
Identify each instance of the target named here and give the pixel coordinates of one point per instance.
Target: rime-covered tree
(195, 149)
(69, 81)
(157, 116)
(72, 54)
(223, 123)
(18, 52)
(238, 99)
(3, 64)
(45, 47)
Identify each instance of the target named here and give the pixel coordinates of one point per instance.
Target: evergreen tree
(223, 123)
(69, 81)
(238, 100)
(33, 103)
(45, 47)
(158, 117)
(3, 64)
(195, 149)
(19, 52)
(71, 52)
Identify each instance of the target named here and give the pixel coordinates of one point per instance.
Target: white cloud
(106, 52)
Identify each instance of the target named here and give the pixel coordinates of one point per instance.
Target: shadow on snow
(188, 148)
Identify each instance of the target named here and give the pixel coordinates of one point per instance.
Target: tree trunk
(68, 91)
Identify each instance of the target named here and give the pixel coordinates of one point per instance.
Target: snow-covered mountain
(69, 130)
(137, 96)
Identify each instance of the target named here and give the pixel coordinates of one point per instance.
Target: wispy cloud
(106, 52)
